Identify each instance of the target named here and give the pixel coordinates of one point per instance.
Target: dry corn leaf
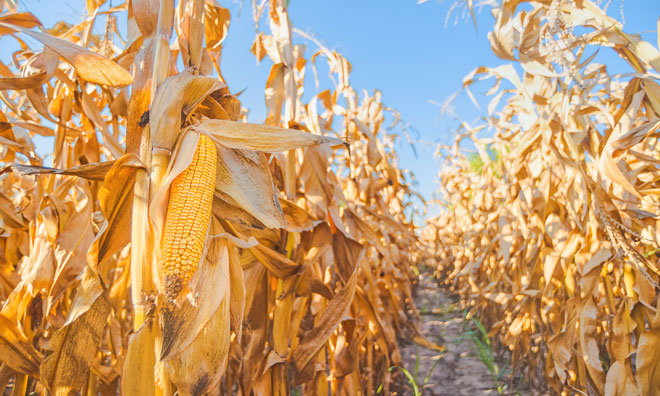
(333, 314)
(116, 199)
(297, 218)
(618, 382)
(237, 292)
(95, 171)
(190, 20)
(198, 369)
(76, 344)
(260, 137)
(46, 62)
(16, 350)
(226, 211)
(23, 19)
(243, 180)
(89, 65)
(647, 362)
(216, 25)
(177, 95)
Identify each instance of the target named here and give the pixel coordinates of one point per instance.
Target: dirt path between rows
(459, 372)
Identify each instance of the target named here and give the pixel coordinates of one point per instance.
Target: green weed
(413, 377)
(476, 332)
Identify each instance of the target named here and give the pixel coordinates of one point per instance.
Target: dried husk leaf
(177, 95)
(182, 321)
(199, 368)
(257, 137)
(243, 180)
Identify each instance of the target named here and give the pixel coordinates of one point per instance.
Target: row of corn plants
(172, 247)
(549, 231)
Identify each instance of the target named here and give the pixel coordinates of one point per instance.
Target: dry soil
(459, 372)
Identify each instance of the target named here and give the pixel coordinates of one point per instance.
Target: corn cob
(188, 218)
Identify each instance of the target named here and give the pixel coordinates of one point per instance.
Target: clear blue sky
(402, 48)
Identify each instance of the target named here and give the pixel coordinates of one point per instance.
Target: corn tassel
(188, 217)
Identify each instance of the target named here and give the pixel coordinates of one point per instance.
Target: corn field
(165, 245)
(172, 247)
(550, 231)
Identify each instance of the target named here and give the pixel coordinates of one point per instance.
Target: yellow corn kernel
(188, 217)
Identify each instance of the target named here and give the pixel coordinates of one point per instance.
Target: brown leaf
(277, 263)
(348, 254)
(216, 25)
(334, 313)
(116, 201)
(226, 211)
(191, 31)
(22, 19)
(199, 368)
(75, 344)
(275, 93)
(299, 219)
(49, 61)
(619, 382)
(237, 292)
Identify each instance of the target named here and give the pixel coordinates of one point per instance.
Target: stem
(140, 224)
(284, 41)
(20, 385)
(141, 280)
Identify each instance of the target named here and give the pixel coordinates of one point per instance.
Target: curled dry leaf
(177, 95)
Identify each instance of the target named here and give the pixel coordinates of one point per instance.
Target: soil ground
(459, 371)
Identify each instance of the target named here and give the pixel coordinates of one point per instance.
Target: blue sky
(402, 48)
